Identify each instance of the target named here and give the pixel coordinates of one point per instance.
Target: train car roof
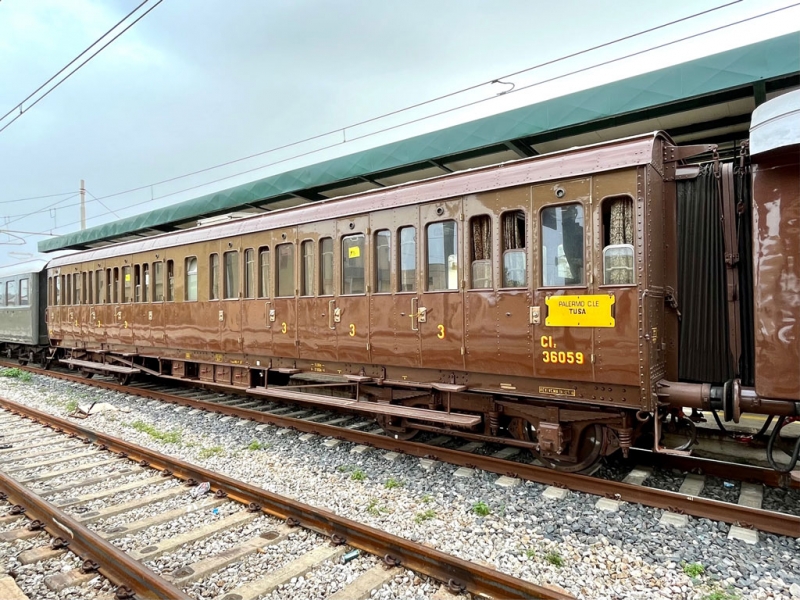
(24, 268)
(574, 162)
(709, 98)
(776, 124)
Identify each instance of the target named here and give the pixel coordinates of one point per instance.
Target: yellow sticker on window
(580, 311)
(127, 277)
(353, 252)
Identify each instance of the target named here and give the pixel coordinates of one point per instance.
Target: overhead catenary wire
(19, 106)
(420, 104)
(35, 197)
(426, 117)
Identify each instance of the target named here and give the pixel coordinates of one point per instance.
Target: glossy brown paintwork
(485, 341)
(776, 256)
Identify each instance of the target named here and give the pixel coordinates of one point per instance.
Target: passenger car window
(263, 269)
(171, 280)
(618, 232)
(307, 269)
(190, 287)
(213, 277)
(481, 251)
(126, 284)
(137, 283)
(11, 293)
(442, 256)
(24, 299)
(326, 266)
(249, 273)
(231, 274)
(408, 260)
(99, 286)
(158, 282)
(145, 282)
(562, 245)
(515, 259)
(353, 264)
(285, 282)
(383, 261)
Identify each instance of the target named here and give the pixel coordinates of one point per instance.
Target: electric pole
(83, 205)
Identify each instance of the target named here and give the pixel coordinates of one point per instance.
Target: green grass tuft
(694, 569)
(358, 475)
(426, 515)
(256, 445)
(427, 499)
(392, 483)
(554, 558)
(530, 553)
(71, 406)
(16, 373)
(168, 437)
(481, 509)
(212, 451)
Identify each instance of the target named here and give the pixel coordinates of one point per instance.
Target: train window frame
(145, 282)
(126, 279)
(250, 279)
(170, 281)
(11, 294)
(353, 257)
(24, 298)
(190, 272)
(327, 266)
(625, 249)
(506, 252)
(50, 291)
(230, 264)
(482, 263)
(137, 283)
(452, 283)
(402, 246)
(68, 287)
(264, 272)
(542, 249)
(99, 286)
(307, 273)
(382, 285)
(213, 277)
(88, 288)
(282, 269)
(77, 289)
(158, 280)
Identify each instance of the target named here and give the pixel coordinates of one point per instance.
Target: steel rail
(772, 522)
(458, 573)
(113, 563)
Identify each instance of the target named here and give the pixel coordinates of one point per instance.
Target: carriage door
(282, 316)
(565, 309)
(394, 298)
(497, 296)
(350, 317)
(315, 327)
(230, 309)
(440, 315)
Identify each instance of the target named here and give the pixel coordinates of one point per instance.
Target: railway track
(130, 513)
(684, 501)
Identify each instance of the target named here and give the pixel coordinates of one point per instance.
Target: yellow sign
(127, 277)
(353, 252)
(580, 311)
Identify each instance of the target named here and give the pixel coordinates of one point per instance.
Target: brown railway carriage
(531, 294)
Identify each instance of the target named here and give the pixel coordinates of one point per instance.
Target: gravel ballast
(568, 543)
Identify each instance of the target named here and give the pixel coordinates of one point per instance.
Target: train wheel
(86, 374)
(589, 451)
(124, 378)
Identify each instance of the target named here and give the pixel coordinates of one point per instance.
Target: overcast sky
(199, 82)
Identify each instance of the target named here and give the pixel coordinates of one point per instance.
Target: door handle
(414, 314)
(330, 314)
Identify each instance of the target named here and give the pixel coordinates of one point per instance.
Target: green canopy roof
(702, 82)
